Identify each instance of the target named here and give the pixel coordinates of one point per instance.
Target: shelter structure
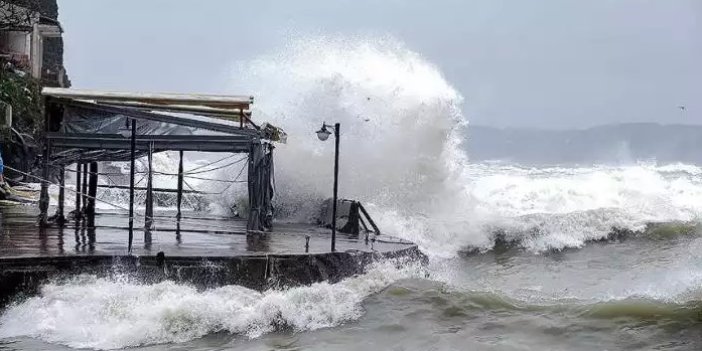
(84, 127)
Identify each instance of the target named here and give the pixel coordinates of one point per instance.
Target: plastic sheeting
(93, 121)
(261, 188)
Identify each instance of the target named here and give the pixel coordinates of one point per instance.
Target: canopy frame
(212, 113)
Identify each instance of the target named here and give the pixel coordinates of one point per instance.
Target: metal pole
(131, 185)
(180, 185)
(44, 195)
(60, 218)
(92, 188)
(337, 127)
(368, 217)
(253, 216)
(78, 196)
(84, 190)
(148, 221)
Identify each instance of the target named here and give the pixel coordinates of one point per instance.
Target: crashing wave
(109, 313)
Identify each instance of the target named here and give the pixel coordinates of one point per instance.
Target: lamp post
(323, 134)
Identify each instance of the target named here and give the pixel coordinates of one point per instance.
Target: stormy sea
(561, 256)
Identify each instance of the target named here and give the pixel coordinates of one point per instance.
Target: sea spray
(109, 313)
(553, 207)
(401, 124)
(401, 155)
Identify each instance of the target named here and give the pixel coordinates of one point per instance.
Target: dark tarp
(77, 120)
(86, 119)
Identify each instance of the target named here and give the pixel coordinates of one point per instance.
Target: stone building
(30, 39)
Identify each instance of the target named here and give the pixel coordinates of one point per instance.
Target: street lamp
(323, 134)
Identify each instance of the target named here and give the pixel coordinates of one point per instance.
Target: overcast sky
(538, 63)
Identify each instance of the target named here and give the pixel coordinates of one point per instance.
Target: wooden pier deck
(202, 251)
(20, 237)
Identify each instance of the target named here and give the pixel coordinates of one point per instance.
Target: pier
(83, 128)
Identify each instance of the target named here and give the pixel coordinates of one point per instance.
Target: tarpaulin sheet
(93, 121)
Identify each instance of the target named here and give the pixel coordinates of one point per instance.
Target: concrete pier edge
(22, 277)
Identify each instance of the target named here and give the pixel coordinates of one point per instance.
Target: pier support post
(60, 218)
(131, 185)
(253, 223)
(84, 188)
(149, 220)
(179, 240)
(79, 174)
(180, 186)
(92, 189)
(44, 195)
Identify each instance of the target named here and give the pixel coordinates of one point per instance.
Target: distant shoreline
(613, 143)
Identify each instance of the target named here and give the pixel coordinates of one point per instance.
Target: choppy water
(640, 293)
(583, 289)
(521, 258)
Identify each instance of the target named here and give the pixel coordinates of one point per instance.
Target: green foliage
(23, 93)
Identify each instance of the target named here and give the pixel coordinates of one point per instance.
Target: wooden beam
(216, 101)
(218, 126)
(222, 113)
(213, 143)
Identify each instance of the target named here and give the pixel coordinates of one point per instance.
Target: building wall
(15, 42)
(53, 62)
(48, 8)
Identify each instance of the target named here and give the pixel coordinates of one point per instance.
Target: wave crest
(101, 313)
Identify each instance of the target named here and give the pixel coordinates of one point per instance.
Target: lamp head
(124, 132)
(323, 133)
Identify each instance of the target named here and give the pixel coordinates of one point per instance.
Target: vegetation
(22, 92)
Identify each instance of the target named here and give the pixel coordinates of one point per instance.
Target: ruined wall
(48, 8)
(21, 147)
(53, 70)
(52, 66)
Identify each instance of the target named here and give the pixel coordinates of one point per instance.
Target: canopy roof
(216, 101)
(90, 125)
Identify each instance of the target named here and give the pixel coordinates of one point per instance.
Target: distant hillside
(617, 143)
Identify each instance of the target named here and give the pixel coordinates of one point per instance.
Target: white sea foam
(400, 154)
(90, 312)
(549, 208)
(401, 129)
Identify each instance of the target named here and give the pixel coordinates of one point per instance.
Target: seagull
(364, 119)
